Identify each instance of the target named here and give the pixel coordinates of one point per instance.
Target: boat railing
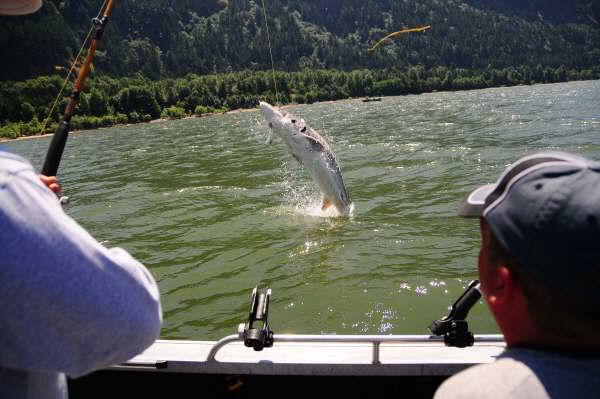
(375, 340)
(452, 330)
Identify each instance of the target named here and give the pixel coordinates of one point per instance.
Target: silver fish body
(311, 150)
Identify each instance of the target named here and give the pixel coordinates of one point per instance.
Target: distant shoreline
(121, 101)
(159, 120)
(254, 109)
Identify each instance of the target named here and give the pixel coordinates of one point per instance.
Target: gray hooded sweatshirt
(68, 305)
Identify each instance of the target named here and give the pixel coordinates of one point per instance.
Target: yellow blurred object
(19, 7)
(394, 34)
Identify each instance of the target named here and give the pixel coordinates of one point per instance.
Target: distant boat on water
(370, 99)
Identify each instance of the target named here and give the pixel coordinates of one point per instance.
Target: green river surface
(213, 210)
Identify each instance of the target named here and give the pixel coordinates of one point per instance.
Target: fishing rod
(59, 140)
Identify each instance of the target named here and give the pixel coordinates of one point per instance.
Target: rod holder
(454, 327)
(259, 337)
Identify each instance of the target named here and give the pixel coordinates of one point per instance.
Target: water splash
(301, 197)
(314, 209)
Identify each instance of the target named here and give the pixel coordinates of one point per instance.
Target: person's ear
(500, 286)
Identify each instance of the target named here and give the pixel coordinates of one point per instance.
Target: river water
(214, 211)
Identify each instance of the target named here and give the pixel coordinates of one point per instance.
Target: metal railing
(376, 340)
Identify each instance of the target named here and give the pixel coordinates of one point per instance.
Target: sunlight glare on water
(213, 210)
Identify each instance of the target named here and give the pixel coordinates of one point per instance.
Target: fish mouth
(265, 105)
(267, 108)
(270, 112)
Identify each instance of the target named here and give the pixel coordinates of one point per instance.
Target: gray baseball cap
(545, 211)
(19, 7)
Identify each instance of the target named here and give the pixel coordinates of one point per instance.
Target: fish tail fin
(326, 204)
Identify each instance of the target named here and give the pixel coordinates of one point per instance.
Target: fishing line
(270, 51)
(73, 64)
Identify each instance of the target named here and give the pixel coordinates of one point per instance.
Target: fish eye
(293, 121)
(303, 129)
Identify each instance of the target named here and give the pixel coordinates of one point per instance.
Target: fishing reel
(258, 337)
(454, 327)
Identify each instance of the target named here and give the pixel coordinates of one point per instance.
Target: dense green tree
(98, 104)
(141, 56)
(137, 99)
(160, 38)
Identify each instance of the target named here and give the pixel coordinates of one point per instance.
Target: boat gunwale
(341, 355)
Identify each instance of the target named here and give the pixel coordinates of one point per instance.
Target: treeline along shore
(108, 101)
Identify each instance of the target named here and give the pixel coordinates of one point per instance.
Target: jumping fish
(311, 150)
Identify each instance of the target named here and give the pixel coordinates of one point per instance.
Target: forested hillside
(557, 11)
(171, 38)
(171, 58)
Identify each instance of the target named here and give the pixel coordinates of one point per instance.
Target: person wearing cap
(539, 268)
(68, 305)
(19, 7)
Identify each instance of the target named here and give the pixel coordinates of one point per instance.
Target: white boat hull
(375, 356)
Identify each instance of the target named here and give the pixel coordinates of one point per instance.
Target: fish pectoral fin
(326, 204)
(269, 139)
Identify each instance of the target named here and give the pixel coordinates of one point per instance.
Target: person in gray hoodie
(68, 305)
